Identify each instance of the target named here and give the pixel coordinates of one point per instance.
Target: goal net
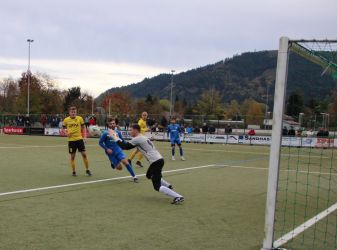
(301, 209)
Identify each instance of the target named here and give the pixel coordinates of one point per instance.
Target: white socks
(165, 183)
(169, 192)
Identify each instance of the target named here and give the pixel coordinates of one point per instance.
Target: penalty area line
(95, 181)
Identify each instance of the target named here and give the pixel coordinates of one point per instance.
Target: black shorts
(155, 169)
(154, 173)
(76, 145)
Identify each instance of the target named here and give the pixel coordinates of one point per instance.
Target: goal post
(301, 203)
(274, 158)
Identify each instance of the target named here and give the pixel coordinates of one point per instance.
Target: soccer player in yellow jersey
(143, 128)
(75, 126)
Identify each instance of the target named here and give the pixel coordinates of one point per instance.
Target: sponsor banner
(157, 136)
(13, 130)
(335, 143)
(309, 142)
(256, 140)
(324, 142)
(54, 131)
(126, 135)
(234, 139)
(194, 138)
(291, 141)
(216, 138)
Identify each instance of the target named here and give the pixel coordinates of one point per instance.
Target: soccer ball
(94, 131)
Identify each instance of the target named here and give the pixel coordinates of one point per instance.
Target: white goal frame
(269, 242)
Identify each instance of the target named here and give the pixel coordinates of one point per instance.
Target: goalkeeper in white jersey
(146, 147)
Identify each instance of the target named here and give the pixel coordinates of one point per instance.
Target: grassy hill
(240, 77)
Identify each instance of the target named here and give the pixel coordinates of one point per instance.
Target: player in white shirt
(146, 147)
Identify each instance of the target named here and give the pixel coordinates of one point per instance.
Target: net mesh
(306, 208)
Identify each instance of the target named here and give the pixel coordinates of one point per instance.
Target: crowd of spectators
(18, 121)
(322, 132)
(161, 126)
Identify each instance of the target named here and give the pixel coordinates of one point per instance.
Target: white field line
(92, 182)
(190, 149)
(301, 228)
(126, 177)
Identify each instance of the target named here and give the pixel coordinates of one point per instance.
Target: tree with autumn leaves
(45, 97)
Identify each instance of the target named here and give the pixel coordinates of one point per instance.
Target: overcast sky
(105, 43)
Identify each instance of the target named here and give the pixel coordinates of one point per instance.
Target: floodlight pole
(171, 101)
(28, 77)
(92, 106)
(267, 100)
(109, 107)
(275, 149)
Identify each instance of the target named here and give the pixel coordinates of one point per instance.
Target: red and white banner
(324, 143)
(13, 130)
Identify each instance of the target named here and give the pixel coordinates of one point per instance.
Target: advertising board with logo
(212, 138)
(256, 140)
(194, 138)
(13, 130)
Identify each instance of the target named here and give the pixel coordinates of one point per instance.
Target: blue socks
(173, 151)
(129, 168)
(181, 151)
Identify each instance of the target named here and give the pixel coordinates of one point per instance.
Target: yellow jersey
(73, 126)
(142, 125)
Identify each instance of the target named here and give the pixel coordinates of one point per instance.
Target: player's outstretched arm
(125, 145)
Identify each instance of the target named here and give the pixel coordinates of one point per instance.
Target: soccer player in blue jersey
(113, 151)
(173, 132)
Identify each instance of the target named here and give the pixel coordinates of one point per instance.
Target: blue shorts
(117, 158)
(175, 141)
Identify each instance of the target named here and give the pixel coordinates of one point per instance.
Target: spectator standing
(291, 131)
(285, 131)
(251, 132)
(189, 130)
(127, 122)
(310, 133)
(205, 128)
(92, 121)
(228, 129)
(86, 121)
(212, 129)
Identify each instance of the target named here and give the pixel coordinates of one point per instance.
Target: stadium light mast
(267, 102)
(171, 101)
(92, 105)
(28, 76)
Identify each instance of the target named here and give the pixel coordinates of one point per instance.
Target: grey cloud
(175, 34)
